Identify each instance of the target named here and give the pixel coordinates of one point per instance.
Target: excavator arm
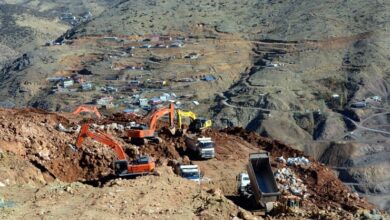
(149, 131)
(181, 114)
(142, 166)
(101, 138)
(197, 124)
(87, 108)
(160, 113)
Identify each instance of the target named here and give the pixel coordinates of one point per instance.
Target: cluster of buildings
(116, 95)
(68, 84)
(372, 100)
(75, 20)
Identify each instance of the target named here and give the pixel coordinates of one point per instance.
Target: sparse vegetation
(277, 66)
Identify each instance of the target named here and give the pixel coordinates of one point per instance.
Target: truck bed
(262, 178)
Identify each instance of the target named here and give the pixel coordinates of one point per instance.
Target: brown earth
(36, 161)
(321, 47)
(38, 142)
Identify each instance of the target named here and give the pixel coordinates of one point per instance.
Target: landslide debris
(31, 135)
(148, 197)
(44, 177)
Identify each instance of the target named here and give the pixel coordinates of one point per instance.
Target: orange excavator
(87, 108)
(141, 166)
(139, 133)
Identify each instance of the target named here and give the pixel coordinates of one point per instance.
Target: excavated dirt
(36, 160)
(31, 135)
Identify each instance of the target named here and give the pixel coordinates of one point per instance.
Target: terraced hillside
(287, 70)
(26, 25)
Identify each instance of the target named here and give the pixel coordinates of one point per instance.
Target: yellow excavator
(196, 124)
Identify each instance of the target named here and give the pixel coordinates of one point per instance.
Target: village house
(68, 82)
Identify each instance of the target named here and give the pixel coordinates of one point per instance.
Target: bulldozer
(196, 124)
(87, 108)
(140, 134)
(141, 166)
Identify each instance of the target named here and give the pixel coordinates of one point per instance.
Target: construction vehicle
(139, 133)
(196, 124)
(190, 172)
(141, 166)
(262, 181)
(87, 108)
(242, 182)
(202, 146)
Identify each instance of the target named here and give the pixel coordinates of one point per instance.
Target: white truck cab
(190, 172)
(203, 146)
(242, 182)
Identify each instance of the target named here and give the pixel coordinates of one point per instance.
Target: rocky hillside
(267, 19)
(27, 25)
(320, 48)
(295, 71)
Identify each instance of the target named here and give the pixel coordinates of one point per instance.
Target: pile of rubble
(289, 183)
(104, 127)
(294, 161)
(62, 128)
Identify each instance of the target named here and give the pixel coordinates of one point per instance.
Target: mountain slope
(288, 70)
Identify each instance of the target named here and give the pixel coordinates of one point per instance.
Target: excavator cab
(140, 127)
(197, 123)
(142, 160)
(200, 124)
(140, 134)
(141, 166)
(120, 167)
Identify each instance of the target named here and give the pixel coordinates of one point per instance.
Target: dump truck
(262, 179)
(202, 146)
(190, 172)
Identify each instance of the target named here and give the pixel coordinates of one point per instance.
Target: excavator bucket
(87, 108)
(180, 132)
(208, 124)
(172, 130)
(73, 147)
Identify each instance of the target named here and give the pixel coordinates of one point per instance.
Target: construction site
(194, 110)
(51, 168)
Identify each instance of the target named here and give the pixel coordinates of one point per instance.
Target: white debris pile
(109, 127)
(281, 159)
(289, 183)
(115, 127)
(44, 154)
(295, 161)
(62, 128)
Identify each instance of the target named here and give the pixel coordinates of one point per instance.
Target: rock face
(16, 65)
(364, 167)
